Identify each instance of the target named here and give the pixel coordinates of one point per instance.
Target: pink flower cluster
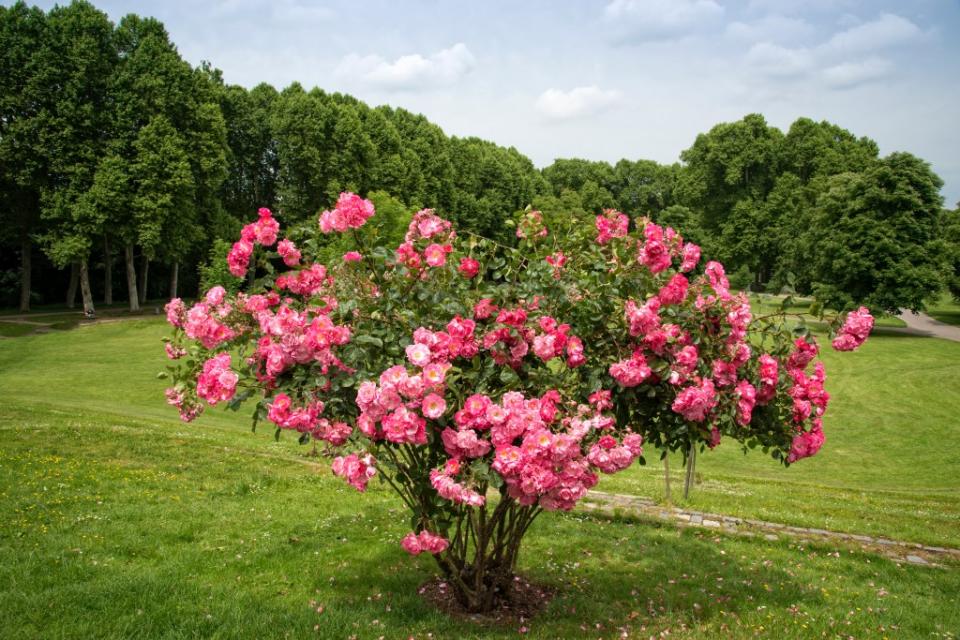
(661, 246)
(446, 485)
(611, 224)
(554, 341)
(696, 402)
(398, 403)
(262, 232)
(424, 542)
(356, 470)
(204, 321)
(292, 337)
(855, 330)
(610, 456)
(655, 251)
(426, 225)
(541, 466)
(557, 260)
(631, 372)
(289, 252)
(187, 408)
(217, 381)
(176, 312)
(469, 268)
(513, 339)
(350, 212)
(531, 225)
(307, 420)
(305, 282)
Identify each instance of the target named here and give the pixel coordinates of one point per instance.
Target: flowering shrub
(486, 384)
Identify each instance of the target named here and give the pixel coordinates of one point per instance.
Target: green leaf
(508, 376)
(371, 340)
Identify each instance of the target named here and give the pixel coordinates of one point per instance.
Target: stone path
(909, 552)
(921, 324)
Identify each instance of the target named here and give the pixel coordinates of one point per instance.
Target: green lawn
(120, 521)
(945, 309)
(887, 468)
(762, 303)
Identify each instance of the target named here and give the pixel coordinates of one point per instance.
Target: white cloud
(661, 19)
(780, 62)
(851, 74)
(581, 101)
(304, 14)
(886, 31)
(794, 7)
(772, 28)
(838, 62)
(411, 71)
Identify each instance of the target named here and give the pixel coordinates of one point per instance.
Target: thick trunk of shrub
(481, 562)
(132, 294)
(107, 272)
(144, 270)
(72, 287)
(26, 265)
(85, 292)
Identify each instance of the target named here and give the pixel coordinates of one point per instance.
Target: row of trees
(816, 208)
(111, 145)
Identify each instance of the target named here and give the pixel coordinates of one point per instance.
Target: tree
(645, 187)
(732, 163)
(23, 33)
(78, 61)
(253, 167)
(873, 238)
(951, 234)
(811, 149)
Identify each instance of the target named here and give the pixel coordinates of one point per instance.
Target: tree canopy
(111, 143)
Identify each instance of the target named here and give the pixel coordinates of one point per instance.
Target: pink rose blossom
(696, 401)
(351, 212)
(468, 268)
(289, 252)
(433, 406)
(855, 330)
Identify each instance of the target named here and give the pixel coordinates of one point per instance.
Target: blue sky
(608, 79)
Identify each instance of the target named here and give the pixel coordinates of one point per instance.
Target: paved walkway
(921, 324)
(900, 551)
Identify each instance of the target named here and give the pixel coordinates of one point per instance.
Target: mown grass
(762, 304)
(887, 468)
(945, 309)
(119, 521)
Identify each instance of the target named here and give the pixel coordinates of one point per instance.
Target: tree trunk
(132, 295)
(691, 471)
(174, 274)
(666, 476)
(72, 287)
(481, 561)
(107, 271)
(25, 275)
(144, 268)
(88, 309)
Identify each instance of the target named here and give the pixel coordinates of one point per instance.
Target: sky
(606, 79)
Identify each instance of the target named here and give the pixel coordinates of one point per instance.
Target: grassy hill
(117, 520)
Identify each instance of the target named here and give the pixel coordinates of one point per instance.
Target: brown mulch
(524, 601)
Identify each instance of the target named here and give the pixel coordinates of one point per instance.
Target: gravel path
(923, 325)
(898, 550)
